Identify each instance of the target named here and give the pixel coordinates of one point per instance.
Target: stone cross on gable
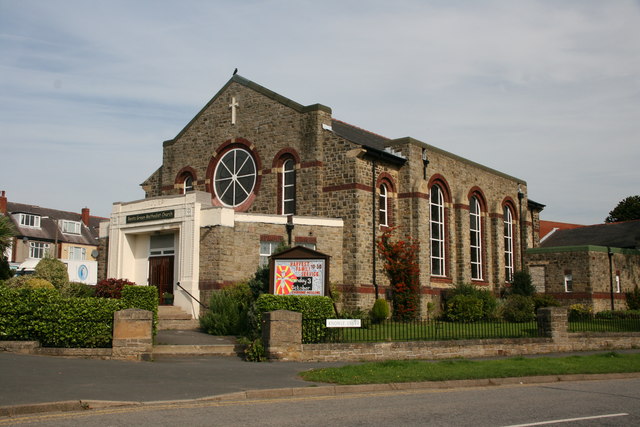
(234, 104)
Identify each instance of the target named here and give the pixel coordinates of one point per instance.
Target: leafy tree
(628, 209)
(7, 232)
(53, 270)
(522, 284)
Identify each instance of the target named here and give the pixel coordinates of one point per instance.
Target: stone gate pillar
(282, 334)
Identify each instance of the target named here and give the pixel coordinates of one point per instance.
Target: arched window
(234, 177)
(383, 206)
(437, 238)
(187, 185)
(508, 243)
(288, 187)
(475, 237)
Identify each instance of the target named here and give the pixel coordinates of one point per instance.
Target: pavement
(44, 383)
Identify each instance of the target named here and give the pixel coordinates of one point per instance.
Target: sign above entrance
(150, 216)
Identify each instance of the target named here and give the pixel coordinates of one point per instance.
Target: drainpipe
(522, 236)
(289, 227)
(610, 253)
(373, 221)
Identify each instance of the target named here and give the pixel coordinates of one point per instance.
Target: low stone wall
(287, 344)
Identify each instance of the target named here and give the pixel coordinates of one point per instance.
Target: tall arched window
(508, 243)
(383, 203)
(475, 238)
(288, 187)
(437, 238)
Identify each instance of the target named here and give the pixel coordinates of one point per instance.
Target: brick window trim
(306, 239)
(271, 238)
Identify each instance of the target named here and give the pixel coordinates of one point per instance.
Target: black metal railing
(192, 297)
(605, 322)
(428, 330)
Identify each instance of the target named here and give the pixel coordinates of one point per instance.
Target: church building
(253, 169)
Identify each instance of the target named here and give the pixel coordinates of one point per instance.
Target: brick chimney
(3, 203)
(85, 216)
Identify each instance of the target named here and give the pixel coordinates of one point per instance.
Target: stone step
(196, 350)
(178, 324)
(173, 312)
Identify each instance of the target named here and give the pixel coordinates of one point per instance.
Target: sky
(546, 91)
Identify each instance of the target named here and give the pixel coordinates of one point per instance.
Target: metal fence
(315, 331)
(605, 322)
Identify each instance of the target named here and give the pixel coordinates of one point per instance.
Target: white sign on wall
(299, 276)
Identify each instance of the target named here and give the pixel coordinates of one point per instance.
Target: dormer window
(71, 227)
(29, 220)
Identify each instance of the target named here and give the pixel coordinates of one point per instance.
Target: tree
(628, 209)
(53, 270)
(7, 232)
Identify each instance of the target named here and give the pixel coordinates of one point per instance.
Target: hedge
(55, 321)
(316, 308)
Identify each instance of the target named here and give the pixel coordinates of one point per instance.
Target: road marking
(570, 420)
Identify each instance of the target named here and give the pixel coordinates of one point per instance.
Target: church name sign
(150, 216)
(299, 276)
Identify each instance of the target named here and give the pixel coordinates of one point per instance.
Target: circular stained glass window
(234, 177)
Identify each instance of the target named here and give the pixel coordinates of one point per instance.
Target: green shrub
(544, 300)
(5, 269)
(380, 310)
(111, 288)
(579, 312)
(142, 297)
(38, 283)
(314, 309)
(521, 284)
(254, 350)
(79, 290)
(633, 298)
(259, 283)
(228, 311)
(489, 302)
(618, 314)
(519, 308)
(53, 270)
(464, 308)
(44, 315)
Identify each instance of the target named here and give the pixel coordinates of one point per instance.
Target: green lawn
(414, 370)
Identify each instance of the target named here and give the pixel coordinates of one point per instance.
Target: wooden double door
(161, 274)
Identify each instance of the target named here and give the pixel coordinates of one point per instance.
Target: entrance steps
(182, 343)
(174, 318)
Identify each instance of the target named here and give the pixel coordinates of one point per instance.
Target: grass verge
(397, 371)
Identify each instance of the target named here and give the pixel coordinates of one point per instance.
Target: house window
(187, 185)
(29, 220)
(235, 177)
(384, 206)
(475, 237)
(267, 248)
(508, 243)
(77, 253)
(437, 238)
(288, 187)
(38, 250)
(568, 282)
(71, 227)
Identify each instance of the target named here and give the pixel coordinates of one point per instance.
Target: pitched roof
(616, 235)
(547, 227)
(49, 228)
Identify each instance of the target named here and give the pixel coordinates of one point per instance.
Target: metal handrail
(192, 297)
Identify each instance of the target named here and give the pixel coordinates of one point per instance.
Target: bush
(519, 308)
(53, 270)
(633, 298)
(254, 350)
(228, 311)
(45, 316)
(380, 310)
(544, 300)
(521, 284)
(5, 270)
(79, 290)
(489, 303)
(316, 308)
(111, 288)
(142, 297)
(38, 283)
(259, 283)
(464, 308)
(579, 312)
(618, 314)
